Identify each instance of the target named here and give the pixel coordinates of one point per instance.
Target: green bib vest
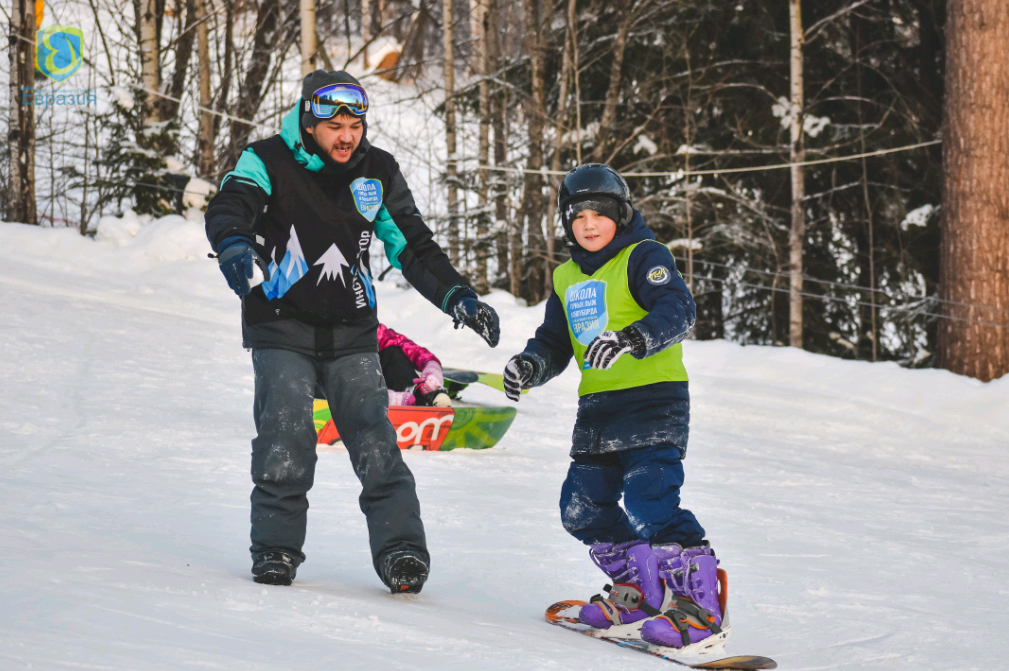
(603, 302)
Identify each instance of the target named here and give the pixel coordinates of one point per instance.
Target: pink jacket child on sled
(412, 373)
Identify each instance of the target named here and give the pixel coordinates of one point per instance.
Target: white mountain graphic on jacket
(291, 269)
(333, 263)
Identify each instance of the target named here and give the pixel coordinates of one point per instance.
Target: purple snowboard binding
(637, 592)
(694, 613)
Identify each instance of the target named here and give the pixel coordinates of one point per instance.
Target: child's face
(592, 230)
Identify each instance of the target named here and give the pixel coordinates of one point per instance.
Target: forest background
(789, 153)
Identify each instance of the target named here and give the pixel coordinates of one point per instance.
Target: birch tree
(797, 234)
(532, 194)
(452, 168)
(308, 39)
(479, 67)
(150, 56)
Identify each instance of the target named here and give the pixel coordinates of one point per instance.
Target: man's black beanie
(313, 82)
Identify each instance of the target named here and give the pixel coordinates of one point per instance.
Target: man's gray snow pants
(283, 452)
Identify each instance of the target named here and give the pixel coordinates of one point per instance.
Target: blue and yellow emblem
(585, 304)
(367, 196)
(659, 275)
(59, 51)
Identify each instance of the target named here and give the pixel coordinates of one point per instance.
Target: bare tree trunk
(365, 30)
(532, 195)
(974, 252)
(308, 40)
(346, 27)
(506, 242)
(412, 54)
(376, 14)
(508, 247)
(573, 37)
(229, 57)
(613, 91)
(21, 205)
(797, 235)
(452, 168)
(264, 40)
(105, 43)
(480, 67)
(561, 122)
(83, 226)
(205, 136)
(688, 139)
(870, 232)
(150, 59)
(168, 108)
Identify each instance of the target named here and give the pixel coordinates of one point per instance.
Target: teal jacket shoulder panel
(250, 170)
(388, 232)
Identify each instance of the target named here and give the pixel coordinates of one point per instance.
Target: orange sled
(416, 428)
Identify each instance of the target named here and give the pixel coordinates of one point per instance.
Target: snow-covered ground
(859, 509)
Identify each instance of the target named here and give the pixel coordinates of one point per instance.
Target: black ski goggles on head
(335, 99)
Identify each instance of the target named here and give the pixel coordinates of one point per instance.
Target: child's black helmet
(589, 182)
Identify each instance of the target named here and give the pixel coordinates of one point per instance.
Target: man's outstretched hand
(478, 316)
(236, 265)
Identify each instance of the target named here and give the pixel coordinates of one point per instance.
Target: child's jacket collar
(634, 232)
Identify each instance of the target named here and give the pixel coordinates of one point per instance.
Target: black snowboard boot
(274, 568)
(404, 572)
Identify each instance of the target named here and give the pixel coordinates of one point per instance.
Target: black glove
(609, 346)
(478, 316)
(518, 373)
(236, 261)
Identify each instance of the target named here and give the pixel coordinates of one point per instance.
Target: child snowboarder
(412, 373)
(619, 295)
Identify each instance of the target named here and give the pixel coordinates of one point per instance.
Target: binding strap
(685, 615)
(622, 596)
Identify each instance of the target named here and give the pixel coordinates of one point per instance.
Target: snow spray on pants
(284, 451)
(648, 478)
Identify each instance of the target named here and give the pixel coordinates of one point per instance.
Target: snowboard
(431, 429)
(456, 380)
(565, 614)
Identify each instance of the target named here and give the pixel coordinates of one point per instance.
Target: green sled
(477, 427)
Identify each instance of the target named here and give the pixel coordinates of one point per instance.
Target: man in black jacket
(310, 200)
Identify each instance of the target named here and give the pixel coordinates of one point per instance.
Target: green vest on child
(603, 302)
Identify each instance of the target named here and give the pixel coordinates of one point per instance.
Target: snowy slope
(859, 509)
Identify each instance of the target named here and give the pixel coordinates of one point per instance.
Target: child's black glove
(609, 346)
(518, 373)
(478, 316)
(236, 260)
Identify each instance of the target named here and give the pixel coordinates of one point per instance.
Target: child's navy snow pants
(283, 452)
(648, 478)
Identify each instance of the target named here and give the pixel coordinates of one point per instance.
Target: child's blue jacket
(651, 415)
